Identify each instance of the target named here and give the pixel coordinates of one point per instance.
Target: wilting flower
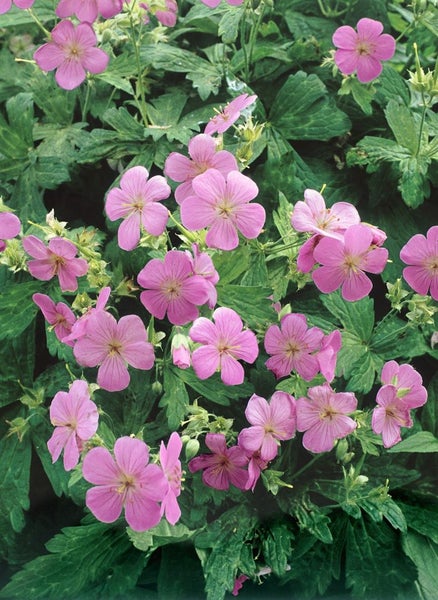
(231, 112)
(71, 52)
(137, 202)
(421, 254)
(125, 481)
(255, 466)
(10, 226)
(224, 343)
(171, 465)
(223, 205)
(75, 418)
(407, 382)
(323, 417)
(363, 51)
(172, 288)
(6, 5)
(114, 345)
(203, 155)
(390, 415)
(224, 466)
(59, 316)
(59, 259)
(88, 10)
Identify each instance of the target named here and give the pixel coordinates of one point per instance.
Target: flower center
(292, 348)
(364, 48)
(114, 347)
(351, 263)
(127, 482)
(224, 209)
(58, 263)
(327, 413)
(171, 289)
(74, 51)
(431, 265)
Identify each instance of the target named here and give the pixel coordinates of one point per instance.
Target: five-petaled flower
(421, 254)
(231, 112)
(59, 316)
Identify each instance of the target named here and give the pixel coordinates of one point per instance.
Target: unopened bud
(192, 448)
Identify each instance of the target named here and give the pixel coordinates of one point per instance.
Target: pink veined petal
(375, 260)
(250, 219)
(369, 29)
(196, 290)
(139, 355)
(345, 37)
(71, 452)
(434, 288)
(224, 162)
(35, 247)
(390, 370)
(307, 414)
(60, 409)
(154, 218)
(153, 274)
(133, 182)
(41, 269)
(211, 3)
(240, 188)
(228, 323)
(178, 167)
(257, 410)
(105, 503)
(305, 259)
(47, 307)
(357, 239)
(65, 8)
(251, 438)
(181, 311)
(329, 252)
(385, 47)
(205, 361)
(109, 8)
(155, 302)
(280, 365)
(391, 434)
(201, 462)
(356, 286)
(141, 513)
(10, 226)
(222, 234)
(128, 234)
(130, 329)
(274, 340)
(5, 5)
(328, 279)
(89, 352)
(131, 454)
(85, 35)
(319, 438)
(415, 251)
(156, 189)
(368, 68)
(117, 204)
(197, 213)
(177, 265)
(169, 456)
(153, 482)
(183, 191)
(49, 56)
(346, 60)
(232, 372)
(170, 508)
(113, 374)
(67, 279)
(247, 347)
(216, 443)
(204, 331)
(202, 148)
(418, 278)
(95, 60)
(99, 467)
(86, 11)
(216, 477)
(70, 74)
(269, 448)
(58, 440)
(211, 185)
(64, 33)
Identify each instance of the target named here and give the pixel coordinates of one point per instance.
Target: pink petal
(415, 251)
(95, 60)
(57, 441)
(345, 37)
(328, 279)
(49, 56)
(197, 213)
(128, 234)
(105, 503)
(232, 372)
(251, 438)
(385, 47)
(154, 218)
(319, 438)
(113, 374)
(10, 226)
(70, 74)
(222, 234)
(216, 443)
(141, 513)
(356, 286)
(240, 189)
(250, 219)
(178, 167)
(35, 247)
(41, 269)
(369, 29)
(257, 410)
(368, 68)
(202, 148)
(71, 452)
(418, 278)
(346, 60)
(205, 361)
(99, 468)
(131, 454)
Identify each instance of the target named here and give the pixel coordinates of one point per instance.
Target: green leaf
(392, 86)
(17, 361)
(228, 28)
(257, 273)
(363, 373)
(403, 125)
(27, 196)
(423, 441)
(165, 116)
(413, 184)
(424, 554)
(311, 519)
(276, 546)
(213, 389)
(302, 110)
(16, 302)
(160, 535)
(356, 317)
(252, 303)
(393, 339)
(20, 114)
(422, 519)
(429, 412)
(374, 149)
(175, 399)
(230, 265)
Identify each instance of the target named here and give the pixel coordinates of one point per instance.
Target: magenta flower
(137, 202)
(171, 465)
(172, 288)
(79, 328)
(224, 466)
(293, 347)
(75, 418)
(328, 354)
(239, 581)
(223, 206)
(72, 52)
(203, 155)
(113, 345)
(224, 343)
(59, 316)
(345, 262)
(125, 481)
(10, 226)
(271, 423)
(6, 5)
(363, 51)
(323, 417)
(203, 265)
(421, 254)
(88, 10)
(390, 415)
(231, 112)
(407, 382)
(59, 259)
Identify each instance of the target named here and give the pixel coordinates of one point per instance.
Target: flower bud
(192, 448)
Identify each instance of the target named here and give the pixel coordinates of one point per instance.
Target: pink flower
(330, 346)
(323, 417)
(59, 316)
(293, 347)
(137, 202)
(407, 382)
(255, 466)
(125, 481)
(223, 206)
(72, 52)
(239, 581)
(172, 288)
(224, 466)
(203, 155)
(171, 465)
(271, 423)
(345, 262)
(75, 418)
(180, 349)
(88, 10)
(305, 260)
(113, 345)
(203, 265)
(6, 5)
(231, 112)
(363, 51)
(56, 259)
(421, 254)
(10, 226)
(79, 328)
(390, 415)
(164, 10)
(224, 343)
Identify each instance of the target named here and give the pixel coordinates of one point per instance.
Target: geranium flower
(363, 51)
(224, 466)
(223, 206)
(79, 328)
(10, 226)
(345, 262)
(323, 417)
(114, 345)
(327, 355)
(231, 112)
(390, 415)
(203, 265)
(71, 52)
(164, 10)
(137, 202)
(75, 418)
(180, 350)
(171, 465)
(293, 347)
(407, 382)
(59, 316)
(88, 10)
(203, 155)
(59, 259)
(125, 481)
(172, 288)
(224, 343)
(6, 5)
(421, 254)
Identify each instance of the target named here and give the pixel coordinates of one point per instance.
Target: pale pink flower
(79, 328)
(270, 423)
(407, 382)
(88, 10)
(390, 415)
(172, 289)
(224, 343)
(75, 418)
(363, 51)
(345, 262)
(231, 112)
(203, 265)
(6, 5)
(223, 205)
(114, 345)
(323, 417)
(71, 52)
(293, 347)
(171, 465)
(10, 226)
(125, 481)
(59, 316)
(421, 254)
(59, 259)
(137, 202)
(164, 10)
(224, 466)
(203, 155)
(327, 355)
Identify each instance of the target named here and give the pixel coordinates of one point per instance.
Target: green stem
(423, 116)
(306, 466)
(244, 48)
(253, 34)
(141, 104)
(188, 234)
(86, 102)
(38, 22)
